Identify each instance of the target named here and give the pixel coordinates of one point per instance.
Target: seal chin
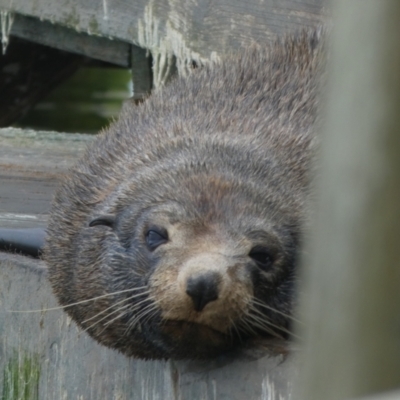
(193, 340)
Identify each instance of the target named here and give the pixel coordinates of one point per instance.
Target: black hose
(29, 241)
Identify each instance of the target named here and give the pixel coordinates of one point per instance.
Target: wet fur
(214, 158)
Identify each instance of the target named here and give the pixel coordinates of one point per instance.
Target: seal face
(177, 233)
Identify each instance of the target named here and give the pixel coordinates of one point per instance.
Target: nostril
(202, 289)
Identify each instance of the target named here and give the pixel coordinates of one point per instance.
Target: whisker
(108, 323)
(106, 316)
(126, 311)
(267, 325)
(265, 318)
(263, 324)
(149, 308)
(115, 311)
(145, 310)
(233, 325)
(115, 304)
(78, 302)
(155, 308)
(126, 307)
(247, 326)
(255, 324)
(261, 304)
(86, 329)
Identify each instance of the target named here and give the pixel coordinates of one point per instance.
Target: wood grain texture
(190, 30)
(31, 164)
(59, 37)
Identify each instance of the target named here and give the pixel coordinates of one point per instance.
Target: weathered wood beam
(352, 298)
(198, 31)
(69, 41)
(66, 39)
(142, 77)
(31, 165)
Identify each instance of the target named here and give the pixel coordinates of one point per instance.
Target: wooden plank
(352, 310)
(46, 351)
(198, 31)
(141, 73)
(29, 152)
(31, 164)
(59, 37)
(16, 78)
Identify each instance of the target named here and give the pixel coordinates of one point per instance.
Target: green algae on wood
(21, 377)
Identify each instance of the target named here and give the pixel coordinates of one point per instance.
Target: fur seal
(177, 234)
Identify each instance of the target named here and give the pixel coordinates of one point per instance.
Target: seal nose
(202, 289)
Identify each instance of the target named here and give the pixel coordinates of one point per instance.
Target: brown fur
(220, 161)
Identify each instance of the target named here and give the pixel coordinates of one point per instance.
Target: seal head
(177, 233)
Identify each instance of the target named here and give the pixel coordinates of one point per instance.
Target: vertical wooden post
(141, 72)
(351, 295)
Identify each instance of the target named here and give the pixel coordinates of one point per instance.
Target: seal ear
(106, 219)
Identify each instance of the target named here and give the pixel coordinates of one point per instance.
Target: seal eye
(156, 237)
(262, 257)
(106, 220)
